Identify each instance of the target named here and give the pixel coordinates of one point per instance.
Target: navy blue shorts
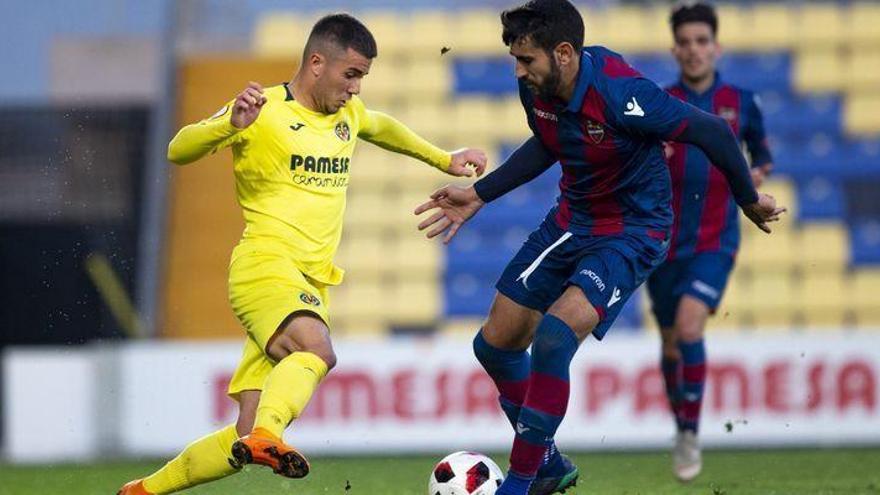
(703, 276)
(607, 268)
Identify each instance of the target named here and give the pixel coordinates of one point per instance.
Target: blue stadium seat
(467, 295)
(793, 117)
(492, 76)
(820, 198)
(828, 155)
(865, 242)
(757, 72)
(662, 69)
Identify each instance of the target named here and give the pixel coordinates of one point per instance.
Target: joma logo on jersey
(319, 165)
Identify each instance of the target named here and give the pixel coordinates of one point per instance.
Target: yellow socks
(204, 460)
(288, 389)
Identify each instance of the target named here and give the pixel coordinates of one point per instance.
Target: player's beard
(549, 89)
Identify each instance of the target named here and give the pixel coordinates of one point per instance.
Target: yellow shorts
(264, 289)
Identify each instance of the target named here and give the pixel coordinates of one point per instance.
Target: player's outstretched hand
(455, 205)
(763, 211)
(247, 105)
(466, 161)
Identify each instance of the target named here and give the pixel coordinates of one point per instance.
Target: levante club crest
(342, 131)
(595, 131)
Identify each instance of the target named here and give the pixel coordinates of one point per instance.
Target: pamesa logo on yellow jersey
(305, 167)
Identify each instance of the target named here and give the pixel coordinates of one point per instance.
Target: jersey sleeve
(389, 133)
(206, 136)
(753, 134)
(644, 109)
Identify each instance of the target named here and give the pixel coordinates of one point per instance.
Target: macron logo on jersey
(545, 115)
(615, 296)
(633, 108)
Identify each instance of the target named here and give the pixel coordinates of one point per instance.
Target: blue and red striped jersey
(706, 216)
(608, 139)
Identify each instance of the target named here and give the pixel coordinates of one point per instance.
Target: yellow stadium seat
(425, 81)
(822, 247)
(477, 32)
(431, 121)
(361, 255)
(359, 302)
(387, 28)
(771, 292)
(626, 29)
(862, 72)
(734, 29)
(771, 320)
(382, 85)
(365, 212)
(460, 327)
(865, 294)
(818, 70)
(472, 119)
(413, 303)
(820, 25)
(822, 300)
(415, 258)
(427, 31)
(658, 34)
(510, 123)
(862, 29)
(862, 113)
(280, 34)
(772, 27)
(768, 253)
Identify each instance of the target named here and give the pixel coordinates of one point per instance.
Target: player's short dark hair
(344, 31)
(547, 23)
(687, 12)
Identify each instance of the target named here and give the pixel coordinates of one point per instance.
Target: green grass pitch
(767, 472)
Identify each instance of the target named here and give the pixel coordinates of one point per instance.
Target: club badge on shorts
(309, 299)
(342, 131)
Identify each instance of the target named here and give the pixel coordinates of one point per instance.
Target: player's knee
(506, 337)
(689, 331)
(329, 358)
(576, 311)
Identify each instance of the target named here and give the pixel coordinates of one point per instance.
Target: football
(465, 473)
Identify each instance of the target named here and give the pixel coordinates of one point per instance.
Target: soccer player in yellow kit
(292, 146)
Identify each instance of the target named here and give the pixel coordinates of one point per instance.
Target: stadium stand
(816, 67)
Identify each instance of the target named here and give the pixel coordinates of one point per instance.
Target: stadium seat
(865, 295)
(625, 29)
(426, 32)
(387, 28)
(357, 306)
(484, 75)
(819, 25)
(460, 327)
(422, 82)
(767, 253)
(862, 113)
(382, 85)
(413, 303)
(362, 256)
(472, 118)
(414, 258)
(865, 242)
(822, 299)
(280, 34)
(818, 69)
(734, 31)
(862, 32)
(862, 70)
(772, 27)
(466, 295)
(822, 248)
(477, 32)
(820, 198)
(758, 71)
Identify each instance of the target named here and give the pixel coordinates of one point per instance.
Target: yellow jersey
(292, 169)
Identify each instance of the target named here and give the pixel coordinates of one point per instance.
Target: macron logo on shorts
(595, 278)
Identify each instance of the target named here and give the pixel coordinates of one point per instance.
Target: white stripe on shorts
(524, 276)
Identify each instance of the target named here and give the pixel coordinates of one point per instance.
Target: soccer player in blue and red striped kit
(605, 124)
(688, 286)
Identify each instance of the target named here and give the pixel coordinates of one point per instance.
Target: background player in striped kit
(688, 286)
